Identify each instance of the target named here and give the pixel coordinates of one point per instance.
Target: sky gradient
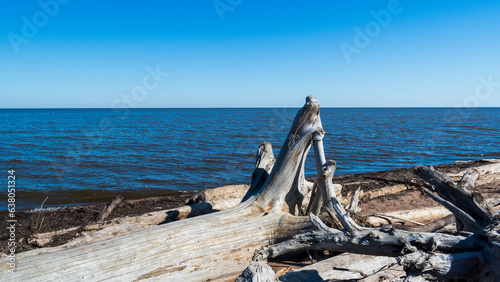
(242, 53)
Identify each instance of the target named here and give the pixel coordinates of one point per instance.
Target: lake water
(63, 152)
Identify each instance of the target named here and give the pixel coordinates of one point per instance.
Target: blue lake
(57, 152)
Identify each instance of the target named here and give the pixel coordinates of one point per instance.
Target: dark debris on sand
(32, 223)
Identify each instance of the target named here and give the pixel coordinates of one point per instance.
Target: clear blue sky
(249, 53)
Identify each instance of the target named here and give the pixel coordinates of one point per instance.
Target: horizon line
(266, 107)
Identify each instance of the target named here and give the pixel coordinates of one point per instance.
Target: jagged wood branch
(385, 241)
(264, 163)
(354, 203)
(460, 194)
(461, 216)
(438, 255)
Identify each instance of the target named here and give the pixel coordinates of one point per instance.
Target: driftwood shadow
(196, 210)
(303, 275)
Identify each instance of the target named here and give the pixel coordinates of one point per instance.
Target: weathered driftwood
(383, 191)
(43, 239)
(219, 193)
(121, 226)
(390, 274)
(220, 198)
(472, 255)
(401, 219)
(442, 222)
(221, 244)
(263, 166)
(204, 247)
(353, 206)
(420, 215)
(345, 266)
(85, 237)
(488, 172)
(468, 206)
(385, 241)
(432, 226)
(257, 272)
(224, 197)
(111, 207)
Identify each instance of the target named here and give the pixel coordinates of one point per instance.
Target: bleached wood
(471, 255)
(462, 218)
(385, 241)
(264, 163)
(384, 215)
(111, 207)
(381, 192)
(43, 239)
(219, 193)
(459, 194)
(200, 248)
(393, 273)
(220, 245)
(125, 225)
(257, 272)
(354, 203)
(486, 172)
(345, 266)
(420, 214)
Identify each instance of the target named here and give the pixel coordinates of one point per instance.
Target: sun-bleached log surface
(204, 247)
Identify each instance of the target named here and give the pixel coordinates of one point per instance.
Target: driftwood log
(346, 267)
(204, 247)
(472, 254)
(110, 208)
(221, 245)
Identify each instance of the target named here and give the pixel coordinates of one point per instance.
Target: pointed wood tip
(311, 99)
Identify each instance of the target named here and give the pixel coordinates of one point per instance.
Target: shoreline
(68, 198)
(80, 215)
(64, 199)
